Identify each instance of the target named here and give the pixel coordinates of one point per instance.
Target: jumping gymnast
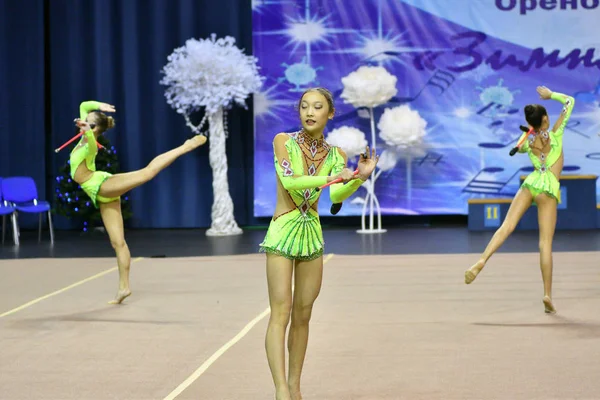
(105, 189)
(294, 240)
(545, 149)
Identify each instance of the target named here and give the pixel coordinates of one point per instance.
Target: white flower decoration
(369, 87)
(209, 73)
(349, 139)
(401, 127)
(388, 159)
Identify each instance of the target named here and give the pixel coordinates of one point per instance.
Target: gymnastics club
(335, 207)
(514, 150)
(334, 181)
(74, 138)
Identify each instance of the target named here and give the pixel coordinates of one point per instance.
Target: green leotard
(296, 234)
(87, 152)
(542, 180)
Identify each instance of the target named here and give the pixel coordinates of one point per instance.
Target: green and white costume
(542, 180)
(296, 234)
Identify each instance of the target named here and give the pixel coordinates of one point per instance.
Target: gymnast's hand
(82, 125)
(346, 175)
(105, 107)
(544, 92)
(366, 164)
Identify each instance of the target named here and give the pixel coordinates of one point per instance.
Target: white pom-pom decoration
(401, 127)
(369, 86)
(211, 73)
(388, 159)
(349, 139)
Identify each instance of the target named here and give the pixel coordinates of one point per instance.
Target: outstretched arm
(569, 103)
(289, 179)
(87, 107)
(338, 192)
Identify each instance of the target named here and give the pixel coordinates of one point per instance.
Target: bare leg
(119, 184)
(113, 222)
(519, 205)
(308, 278)
(547, 209)
(279, 280)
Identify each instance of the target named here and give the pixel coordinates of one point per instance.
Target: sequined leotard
(304, 165)
(542, 180)
(87, 151)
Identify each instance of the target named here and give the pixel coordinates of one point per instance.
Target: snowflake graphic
(300, 74)
(499, 95)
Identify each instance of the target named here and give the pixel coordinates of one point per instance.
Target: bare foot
(121, 295)
(295, 394)
(282, 395)
(472, 272)
(548, 306)
(194, 142)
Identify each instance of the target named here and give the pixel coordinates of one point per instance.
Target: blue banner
(465, 69)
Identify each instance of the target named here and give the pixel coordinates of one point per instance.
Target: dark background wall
(58, 53)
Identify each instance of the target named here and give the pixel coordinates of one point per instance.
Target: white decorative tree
(214, 74)
(403, 130)
(369, 87)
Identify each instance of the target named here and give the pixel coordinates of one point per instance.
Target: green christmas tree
(72, 202)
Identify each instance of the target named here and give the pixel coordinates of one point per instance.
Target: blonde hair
(102, 121)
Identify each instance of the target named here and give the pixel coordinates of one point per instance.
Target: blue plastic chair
(5, 210)
(22, 193)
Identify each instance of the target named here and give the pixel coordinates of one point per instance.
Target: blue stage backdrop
(467, 70)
